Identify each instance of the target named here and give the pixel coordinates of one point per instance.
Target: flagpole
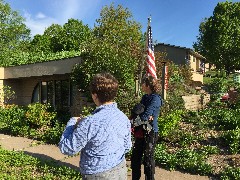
(143, 60)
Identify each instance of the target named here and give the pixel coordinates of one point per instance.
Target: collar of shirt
(105, 106)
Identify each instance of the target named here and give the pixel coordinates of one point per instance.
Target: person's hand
(78, 120)
(150, 118)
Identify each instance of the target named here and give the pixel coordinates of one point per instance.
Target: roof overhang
(63, 66)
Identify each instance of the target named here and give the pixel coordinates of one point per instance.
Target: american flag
(151, 68)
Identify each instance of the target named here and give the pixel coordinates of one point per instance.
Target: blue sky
(174, 22)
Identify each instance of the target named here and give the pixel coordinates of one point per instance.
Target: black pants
(144, 148)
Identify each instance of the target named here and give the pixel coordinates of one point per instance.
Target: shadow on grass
(50, 160)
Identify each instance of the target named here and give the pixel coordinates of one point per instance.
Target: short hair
(105, 86)
(152, 83)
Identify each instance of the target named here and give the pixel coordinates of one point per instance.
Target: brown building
(46, 82)
(181, 56)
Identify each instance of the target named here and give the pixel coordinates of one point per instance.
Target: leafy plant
(37, 115)
(7, 94)
(193, 162)
(232, 137)
(230, 173)
(169, 122)
(218, 36)
(210, 149)
(17, 165)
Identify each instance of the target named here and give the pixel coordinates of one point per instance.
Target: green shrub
(218, 85)
(17, 165)
(34, 121)
(163, 158)
(37, 115)
(167, 123)
(230, 173)
(12, 118)
(232, 138)
(193, 162)
(210, 149)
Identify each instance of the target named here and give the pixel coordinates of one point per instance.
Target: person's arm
(128, 140)
(74, 137)
(147, 115)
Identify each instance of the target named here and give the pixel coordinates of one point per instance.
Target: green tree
(41, 43)
(75, 35)
(116, 48)
(14, 35)
(56, 38)
(219, 36)
(54, 34)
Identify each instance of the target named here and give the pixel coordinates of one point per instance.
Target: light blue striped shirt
(103, 139)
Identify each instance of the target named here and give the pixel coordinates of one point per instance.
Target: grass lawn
(19, 166)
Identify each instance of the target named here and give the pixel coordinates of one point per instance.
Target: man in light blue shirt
(102, 137)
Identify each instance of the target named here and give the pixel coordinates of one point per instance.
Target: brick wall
(195, 102)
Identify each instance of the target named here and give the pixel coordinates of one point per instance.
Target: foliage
(224, 119)
(230, 173)
(232, 137)
(219, 35)
(7, 94)
(116, 48)
(30, 58)
(34, 121)
(14, 35)
(12, 119)
(56, 38)
(17, 165)
(193, 162)
(179, 83)
(57, 42)
(218, 85)
(37, 115)
(210, 149)
(169, 122)
(184, 159)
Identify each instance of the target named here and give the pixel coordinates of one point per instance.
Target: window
(56, 93)
(188, 58)
(194, 59)
(44, 93)
(35, 94)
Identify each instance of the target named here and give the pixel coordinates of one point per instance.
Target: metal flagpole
(143, 60)
(164, 80)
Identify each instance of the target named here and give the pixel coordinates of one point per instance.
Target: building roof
(191, 51)
(63, 66)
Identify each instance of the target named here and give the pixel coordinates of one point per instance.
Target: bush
(230, 173)
(169, 122)
(34, 121)
(232, 138)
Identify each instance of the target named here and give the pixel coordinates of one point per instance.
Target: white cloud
(38, 23)
(76, 9)
(61, 11)
(40, 16)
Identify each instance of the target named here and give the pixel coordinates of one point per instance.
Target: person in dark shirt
(145, 139)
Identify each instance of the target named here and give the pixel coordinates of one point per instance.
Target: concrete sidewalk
(52, 153)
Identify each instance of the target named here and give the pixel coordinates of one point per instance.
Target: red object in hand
(138, 133)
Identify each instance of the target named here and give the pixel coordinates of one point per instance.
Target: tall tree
(116, 47)
(14, 35)
(71, 36)
(75, 35)
(219, 36)
(54, 35)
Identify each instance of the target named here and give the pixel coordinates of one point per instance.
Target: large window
(56, 93)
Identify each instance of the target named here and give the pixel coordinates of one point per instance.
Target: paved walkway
(51, 152)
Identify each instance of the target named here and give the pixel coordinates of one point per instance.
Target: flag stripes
(151, 68)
